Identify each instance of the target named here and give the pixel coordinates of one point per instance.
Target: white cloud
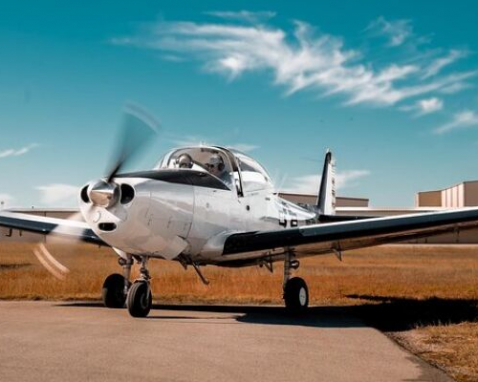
(463, 119)
(306, 184)
(303, 59)
(190, 140)
(438, 64)
(247, 16)
(455, 87)
(6, 199)
(431, 105)
(244, 147)
(17, 152)
(397, 31)
(349, 178)
(309, 184)
(59, 195)
(172, 58)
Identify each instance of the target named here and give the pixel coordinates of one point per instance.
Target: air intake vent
(127, 194)
(84, 194)
(107, 227)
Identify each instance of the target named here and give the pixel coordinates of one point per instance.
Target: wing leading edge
(353, 234)
(45, 226)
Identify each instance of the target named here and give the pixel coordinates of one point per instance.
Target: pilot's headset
(184, 161)
(217, 160)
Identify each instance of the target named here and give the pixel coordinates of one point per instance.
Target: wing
(44, 225)
(339, 236)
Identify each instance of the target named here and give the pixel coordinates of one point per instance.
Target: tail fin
(326, 197)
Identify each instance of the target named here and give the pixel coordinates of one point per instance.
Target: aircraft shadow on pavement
(333, 317)
(398, 314)
(382, 312)
(323, 317)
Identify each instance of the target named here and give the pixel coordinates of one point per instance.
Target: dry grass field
(424, 296)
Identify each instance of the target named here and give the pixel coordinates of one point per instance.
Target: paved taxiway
(55, 341)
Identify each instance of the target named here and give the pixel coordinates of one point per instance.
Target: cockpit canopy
(234, 168)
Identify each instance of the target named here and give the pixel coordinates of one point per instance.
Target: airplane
(211, 205)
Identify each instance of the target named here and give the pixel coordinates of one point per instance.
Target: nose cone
(104, 194)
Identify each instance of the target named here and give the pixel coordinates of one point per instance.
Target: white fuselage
(167, 219)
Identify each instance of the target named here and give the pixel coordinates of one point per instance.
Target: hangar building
(461, 195)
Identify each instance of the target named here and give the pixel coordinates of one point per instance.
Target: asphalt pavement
(63, 341)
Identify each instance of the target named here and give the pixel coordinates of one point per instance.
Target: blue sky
(390, 87)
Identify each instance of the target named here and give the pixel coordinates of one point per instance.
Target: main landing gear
(116, 286)
(117, 289)
(296, 293)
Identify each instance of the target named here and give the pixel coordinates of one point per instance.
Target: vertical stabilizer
(326, 197)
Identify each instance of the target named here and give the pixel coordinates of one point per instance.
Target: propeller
(137, 130)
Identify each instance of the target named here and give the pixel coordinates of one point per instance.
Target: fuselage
(186, 211)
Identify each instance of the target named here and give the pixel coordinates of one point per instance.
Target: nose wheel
(140, 298)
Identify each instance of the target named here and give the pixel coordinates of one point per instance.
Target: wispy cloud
(439, 63)
(425, 106)
(246, 16)
(304, 58)
(309, 184)
(431, 105)
(349, 178)
(455, 87)
(59, 195)
(5, 200)
(397, 31)
(244, 147)
(192, 140)
(463, 119)
(17, 152)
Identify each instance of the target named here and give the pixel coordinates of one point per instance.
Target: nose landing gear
(117, 289)
(140, 298)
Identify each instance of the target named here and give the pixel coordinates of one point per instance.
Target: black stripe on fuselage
(255, 241)
(190, 177)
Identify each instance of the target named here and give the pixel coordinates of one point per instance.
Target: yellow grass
(393, 271)
(426, 296)
(454, 348)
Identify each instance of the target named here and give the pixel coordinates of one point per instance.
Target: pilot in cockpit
(216, 167)
(184, 161)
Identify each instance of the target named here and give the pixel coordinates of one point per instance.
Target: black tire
(139, 299)
(113, 291)
(296, 295)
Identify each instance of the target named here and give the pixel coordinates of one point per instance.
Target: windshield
(206, 159)
(254, 176)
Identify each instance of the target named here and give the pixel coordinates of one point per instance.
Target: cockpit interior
(235, 169)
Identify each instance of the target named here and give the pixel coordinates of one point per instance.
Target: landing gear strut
(296, 293)
(140, 298)
(116, 286)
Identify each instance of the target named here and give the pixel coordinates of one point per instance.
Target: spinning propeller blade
(45, 257)
(137, 129)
